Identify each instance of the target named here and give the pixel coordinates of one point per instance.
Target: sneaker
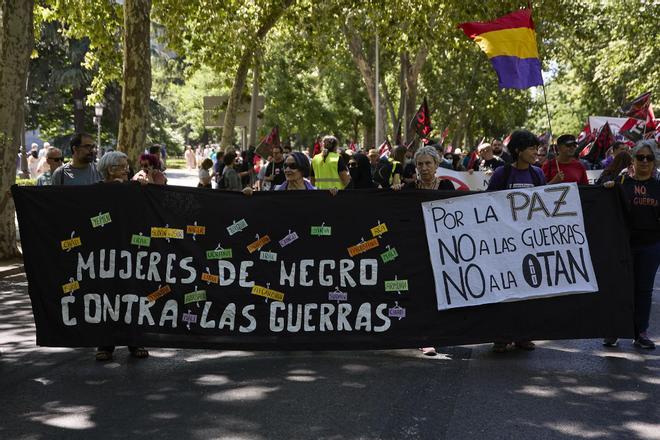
(610, 342)
(500, 347)
(525, 345)
(644, 342)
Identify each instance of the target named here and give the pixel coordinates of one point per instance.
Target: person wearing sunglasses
(296, 172)
(641, 195)
(54, 160)
(150, 170)
(81, 169)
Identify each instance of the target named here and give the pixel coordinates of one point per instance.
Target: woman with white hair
(641, 194)
(427, 160)
(113, 167)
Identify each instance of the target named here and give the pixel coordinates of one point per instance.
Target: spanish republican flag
(510, 44)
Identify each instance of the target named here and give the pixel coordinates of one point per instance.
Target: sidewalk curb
(12, 270)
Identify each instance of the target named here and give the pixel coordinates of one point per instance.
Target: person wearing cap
(565, 167)
(488, 162)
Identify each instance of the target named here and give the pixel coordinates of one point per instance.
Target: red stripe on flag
(517, 19)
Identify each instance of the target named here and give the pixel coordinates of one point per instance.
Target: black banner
(122, 264)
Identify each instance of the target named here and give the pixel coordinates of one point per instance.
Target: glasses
(291, 166)
(89, 146)
(119, 167)
(645, 157)
(56, 159)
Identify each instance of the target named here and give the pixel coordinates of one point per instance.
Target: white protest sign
(478, 180)
(508, 246)
(464, 181)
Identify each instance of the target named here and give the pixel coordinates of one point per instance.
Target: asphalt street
(563, 390)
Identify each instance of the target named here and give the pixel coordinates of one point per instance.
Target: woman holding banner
(641, 194)
(427, 160)
(113, 167)
(523, 147)
(296, 172)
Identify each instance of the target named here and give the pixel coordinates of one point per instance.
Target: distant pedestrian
(204, 175)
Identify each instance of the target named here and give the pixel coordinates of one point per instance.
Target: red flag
(639, 107)
(385, 148)
(317, 147)
(421, 122)
(443, 136)
(632, 129)
(596, 150)
(265, 147)
(474, 157)
(585, 136)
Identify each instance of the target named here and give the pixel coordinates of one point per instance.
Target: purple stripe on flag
(517, 73)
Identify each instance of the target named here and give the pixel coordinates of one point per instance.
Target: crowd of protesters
(525, 161)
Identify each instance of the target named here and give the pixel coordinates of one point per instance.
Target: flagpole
(377, 141)
(547, 112)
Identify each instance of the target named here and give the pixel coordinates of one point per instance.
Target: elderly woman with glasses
(641, 194)
(150, 170)
(113, 166)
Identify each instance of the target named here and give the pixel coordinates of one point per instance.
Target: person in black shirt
(641, 194)
(275, 169)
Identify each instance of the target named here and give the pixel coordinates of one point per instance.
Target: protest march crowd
(522, 160)
(628, 157)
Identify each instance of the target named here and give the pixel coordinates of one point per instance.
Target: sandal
(103, 355)
(138, 352)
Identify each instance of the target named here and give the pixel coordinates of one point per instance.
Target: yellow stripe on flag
(518, 42)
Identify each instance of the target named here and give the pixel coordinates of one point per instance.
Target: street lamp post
(98, 111)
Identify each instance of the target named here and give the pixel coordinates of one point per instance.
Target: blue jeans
(646, 259)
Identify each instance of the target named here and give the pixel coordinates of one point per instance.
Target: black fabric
(641, 198)
(49, 215)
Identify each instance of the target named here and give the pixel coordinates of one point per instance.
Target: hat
(482, 147)
(566, 139)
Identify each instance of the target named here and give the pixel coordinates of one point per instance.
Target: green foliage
(26, 182)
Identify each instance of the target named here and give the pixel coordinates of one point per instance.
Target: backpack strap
(506, 175)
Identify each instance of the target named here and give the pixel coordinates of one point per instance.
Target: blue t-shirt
(517, 178)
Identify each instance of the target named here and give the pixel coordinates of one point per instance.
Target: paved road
(182, 177)
(563, 390)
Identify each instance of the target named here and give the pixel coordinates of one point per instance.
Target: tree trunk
(356, 48)
(79, 96)
(241, 73)
(134, 119)
(16, 35)
(253, 103)
(411, 75)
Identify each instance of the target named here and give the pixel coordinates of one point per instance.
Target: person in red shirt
(565, 167)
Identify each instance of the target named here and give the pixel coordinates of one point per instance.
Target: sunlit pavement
(182, 177)
(563, 390)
